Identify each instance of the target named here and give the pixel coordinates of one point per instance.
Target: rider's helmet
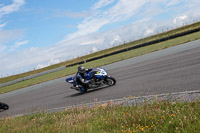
(81, 69)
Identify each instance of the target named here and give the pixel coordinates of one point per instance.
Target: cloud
(116, 39)
(91, 42)
(1, 5)
(70, 26)
(51, 62)
(102, 3)
(124, 10)
(2, 25)
(94, 49)
(9, 35)
(77, 14)
(173, 2)
(11, 8)
(70, 14)
(148, 32)
(2, 48)
(180, 19)
(121, 11)
(18, 44)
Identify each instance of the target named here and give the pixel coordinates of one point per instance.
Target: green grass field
(159, 117)
(103, 61)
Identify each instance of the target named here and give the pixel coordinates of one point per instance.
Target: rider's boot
(82, 90)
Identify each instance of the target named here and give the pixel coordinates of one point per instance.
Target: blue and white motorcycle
(100, 79)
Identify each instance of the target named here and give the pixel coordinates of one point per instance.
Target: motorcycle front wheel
(110, 81)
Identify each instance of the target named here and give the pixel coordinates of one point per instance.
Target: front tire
(110, 81)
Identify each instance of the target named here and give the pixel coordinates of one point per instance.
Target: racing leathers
(81, 78)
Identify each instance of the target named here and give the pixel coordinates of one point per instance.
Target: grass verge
(161, 116)
(103, 61)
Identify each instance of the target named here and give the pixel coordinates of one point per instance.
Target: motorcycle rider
(81, 78)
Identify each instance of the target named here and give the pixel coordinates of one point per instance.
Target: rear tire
(110, 81)
(4, 106)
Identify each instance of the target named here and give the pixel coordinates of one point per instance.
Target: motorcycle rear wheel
(4, 106)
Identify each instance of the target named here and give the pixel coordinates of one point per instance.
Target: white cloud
(122, 10)
(146, 19)
(39, 66)
(180, 19)
(51, 62)
(102, 3)
(11, 8)
(77, 14)
(2, 48)
(173, 2)
(2, 25)
(115, 40)
(148, 32)
(125, 9)
(9, 35)
(91, 42)
(20, 43)
(1, 5)
(94, 49)
(70, 14)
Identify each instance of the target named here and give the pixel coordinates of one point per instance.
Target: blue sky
(38, 33)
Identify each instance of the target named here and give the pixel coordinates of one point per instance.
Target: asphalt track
(175, 69)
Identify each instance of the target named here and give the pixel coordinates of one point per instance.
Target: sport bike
(99, 78)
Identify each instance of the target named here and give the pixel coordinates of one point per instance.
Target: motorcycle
(4, 106)
(99, 77)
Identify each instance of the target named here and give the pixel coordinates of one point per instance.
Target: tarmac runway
(175, 69)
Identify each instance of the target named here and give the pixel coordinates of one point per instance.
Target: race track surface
(174, 69)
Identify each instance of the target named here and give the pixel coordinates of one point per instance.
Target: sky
(38, 33)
